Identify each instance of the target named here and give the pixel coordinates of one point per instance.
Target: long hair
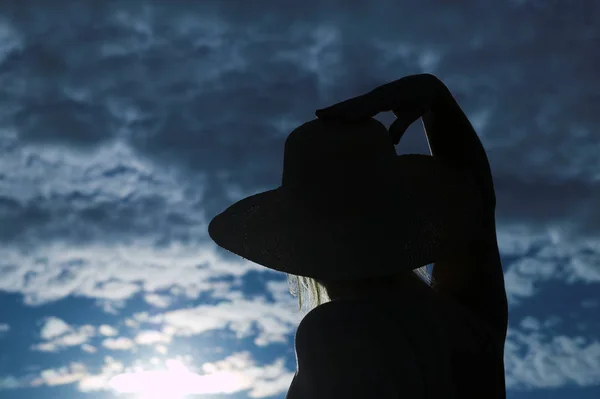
(311, 293)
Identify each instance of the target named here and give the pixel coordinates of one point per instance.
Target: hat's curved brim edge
(267, 230)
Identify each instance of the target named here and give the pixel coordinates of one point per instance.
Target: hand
(409, 98)
(449, 133)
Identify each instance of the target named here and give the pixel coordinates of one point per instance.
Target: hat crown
(330, 157)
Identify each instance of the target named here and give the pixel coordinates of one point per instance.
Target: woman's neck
(372, 287)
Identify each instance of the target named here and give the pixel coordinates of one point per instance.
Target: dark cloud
(532, 201)
(202, 86)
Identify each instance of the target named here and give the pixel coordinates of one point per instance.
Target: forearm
(475, 279)
(452, 139)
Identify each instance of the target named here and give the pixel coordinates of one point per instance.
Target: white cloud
(235, 373)
(530, 323)
(131, 323)
(111, 273)
(160, 301)
(544, 256)
(274, 321)
(100, 381)
(586, 267)
(78, 372)
(152, 337)
(121, 343)
(88, 348)
(78, 337)
(63, 375)
(54, 327)
(58, 335)
(262, 381)
(107, 330)
(113, 290)
(4, 327)
(536, 360)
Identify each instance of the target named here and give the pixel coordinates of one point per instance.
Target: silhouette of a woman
(354, 225)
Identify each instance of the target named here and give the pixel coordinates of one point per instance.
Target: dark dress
(443, 341)
(412, 345)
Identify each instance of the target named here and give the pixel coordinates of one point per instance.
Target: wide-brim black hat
(350, 207)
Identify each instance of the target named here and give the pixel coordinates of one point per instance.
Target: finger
(381, 99)
(409, 91)
(360, 107)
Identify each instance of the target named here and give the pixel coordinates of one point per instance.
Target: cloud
(237, 372)
(4, 328)
(57, 335)
(159, 301)
(150, 337)
(88, 348)
(537, 256)
(112, 273)
(74, 338)
(168, 159)
(54, 327)
(121, 343)
(274, 321)
(79, 373)
(63, 375)
(10, 382)
(148, 168)
(537, 360)
(107, 330)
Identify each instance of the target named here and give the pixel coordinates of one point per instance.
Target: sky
(125, 126)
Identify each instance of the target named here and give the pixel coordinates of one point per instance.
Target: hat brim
(435, 212)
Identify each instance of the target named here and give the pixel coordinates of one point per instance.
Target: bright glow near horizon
(176, 381)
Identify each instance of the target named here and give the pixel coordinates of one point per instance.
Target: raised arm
(474, 279)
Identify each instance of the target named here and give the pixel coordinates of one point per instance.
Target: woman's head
(314, 292)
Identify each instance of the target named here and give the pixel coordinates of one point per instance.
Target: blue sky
(126, 126)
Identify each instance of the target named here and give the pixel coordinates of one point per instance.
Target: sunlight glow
(175, 382)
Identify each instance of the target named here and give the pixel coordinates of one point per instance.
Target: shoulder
(338, 328)
(327, 321)
(345, 346)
